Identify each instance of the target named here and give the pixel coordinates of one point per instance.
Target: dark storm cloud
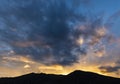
(47, 29)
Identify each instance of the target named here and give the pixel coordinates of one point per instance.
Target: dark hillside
(76, 77)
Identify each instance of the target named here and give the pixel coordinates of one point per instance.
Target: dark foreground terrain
(76, 77)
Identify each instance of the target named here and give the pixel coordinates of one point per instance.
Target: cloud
(49, 29)
(115, 16)
(109, 69)
(22, 59)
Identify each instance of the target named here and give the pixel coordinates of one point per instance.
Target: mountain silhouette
(76, 77)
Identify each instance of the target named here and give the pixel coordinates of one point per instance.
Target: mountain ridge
(76, 77)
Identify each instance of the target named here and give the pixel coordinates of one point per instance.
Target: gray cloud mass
(45, 29)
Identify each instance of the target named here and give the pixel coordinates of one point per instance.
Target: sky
(59, 36)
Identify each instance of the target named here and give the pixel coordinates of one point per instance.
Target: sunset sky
(59, 36)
